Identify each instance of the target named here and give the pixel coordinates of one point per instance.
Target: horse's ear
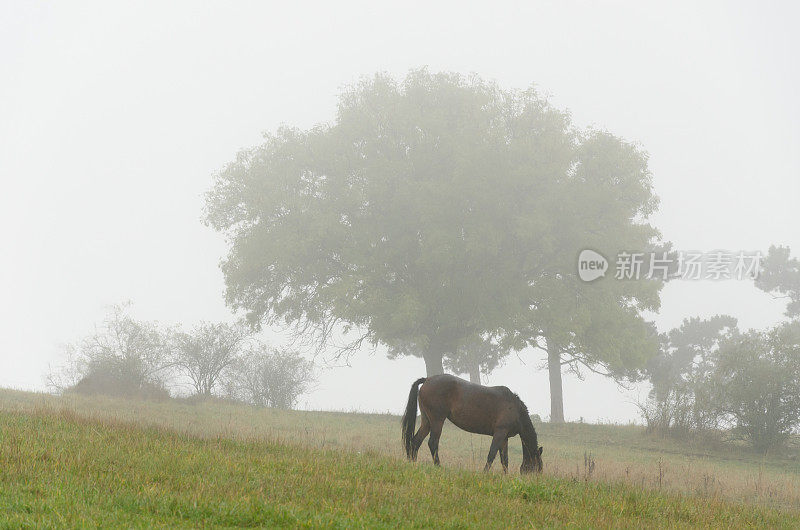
(540, 450)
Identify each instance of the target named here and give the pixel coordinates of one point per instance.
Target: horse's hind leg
(497, 442)
(416, 442)
(504, 455)
(433, 443)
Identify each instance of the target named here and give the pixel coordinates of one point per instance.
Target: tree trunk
(556, 394)
(475, 373)
(433, 362)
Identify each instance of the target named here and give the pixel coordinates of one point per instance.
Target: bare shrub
(204, 354)
(270, 377)
(123, 357)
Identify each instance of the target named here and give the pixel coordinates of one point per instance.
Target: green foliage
(604, 205)
(757, 382)
(683, 399)
(710, 375)
(435, 210)
(474, 356)
(687, 352)
(780, 276)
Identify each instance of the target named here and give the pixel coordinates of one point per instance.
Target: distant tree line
(132, 358)
(711, 376)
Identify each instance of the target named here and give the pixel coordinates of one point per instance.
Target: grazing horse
(492, 410)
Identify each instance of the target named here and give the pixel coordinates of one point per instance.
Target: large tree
(603, 203)
(433, 211)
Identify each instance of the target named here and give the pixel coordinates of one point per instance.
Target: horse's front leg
(497, 442)
(504, 455)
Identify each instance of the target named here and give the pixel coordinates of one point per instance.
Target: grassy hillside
(79, 461)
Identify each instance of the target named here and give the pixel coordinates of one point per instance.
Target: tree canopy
(436, 210)
(757, 379)
(686, 351)
(780, 276)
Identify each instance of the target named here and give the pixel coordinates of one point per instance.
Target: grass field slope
(88, 462)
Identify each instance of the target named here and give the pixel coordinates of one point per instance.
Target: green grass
(103, 462)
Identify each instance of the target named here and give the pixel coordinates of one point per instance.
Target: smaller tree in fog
(683, 398)
(710, 375)
(124, 357)
(757, 384)
(780, 276)
(204, 354)
(270, 377)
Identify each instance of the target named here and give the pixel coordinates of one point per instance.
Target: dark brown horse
(492, 410)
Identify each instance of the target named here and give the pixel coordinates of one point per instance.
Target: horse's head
(534, 464)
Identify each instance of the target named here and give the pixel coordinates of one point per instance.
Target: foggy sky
(113, 118)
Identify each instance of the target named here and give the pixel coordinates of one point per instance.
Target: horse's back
(472, 407)
(443, 379)
(449, 384)
(438, 389)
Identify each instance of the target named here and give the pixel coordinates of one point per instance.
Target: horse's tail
(410, 417)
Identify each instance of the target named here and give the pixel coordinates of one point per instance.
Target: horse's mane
(527, 432)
